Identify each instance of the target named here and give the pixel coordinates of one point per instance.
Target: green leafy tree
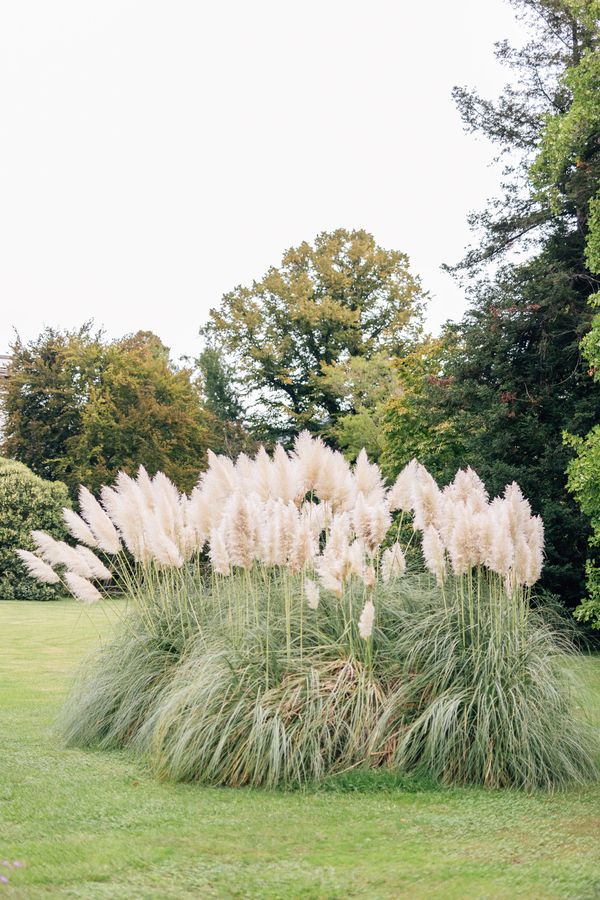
(221, 398)
(219, 386)
(569, 145)
(416, 422)
(363, 387)
(79, 409)
(341, 297)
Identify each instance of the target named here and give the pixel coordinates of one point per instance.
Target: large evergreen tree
(519, 378)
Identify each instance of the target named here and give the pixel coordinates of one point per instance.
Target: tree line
(332, 339)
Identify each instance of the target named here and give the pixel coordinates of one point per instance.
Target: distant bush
(27, 502)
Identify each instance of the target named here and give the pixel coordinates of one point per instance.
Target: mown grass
(90, 824)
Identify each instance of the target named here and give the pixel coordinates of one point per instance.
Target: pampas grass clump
(276, 634)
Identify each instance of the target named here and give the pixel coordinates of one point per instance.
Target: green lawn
(97, 825)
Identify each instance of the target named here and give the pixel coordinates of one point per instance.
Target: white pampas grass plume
(50, 549)
(371, 522)
(219, 556)
(82, 589)
(286, 479)
(312, 594)
(37, 568)
(271, 548)
(78, 528)
(310, 453)
(163, 549)
(304, 549)
(168, 505)
(361, 518)
(102, 527)
(522, 565)
(239, 522)
(129, 511)
(290, 525)
(356, 558)
(402, 493)
(219, 481)
(369, 577)
(367, 478)
(433, 553)
(144, 482)
(365, 623)
(261, 475)
(318, 516)
(379, 523)
(518, 509)
(96, 567)
(469, 489)
(339, 533)
(59, 553)
(330, 574)
(427, 499)
(334, 481)
(201, 516)
(393, 563)
(463, 547)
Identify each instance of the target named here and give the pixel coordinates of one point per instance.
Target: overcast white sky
(155, 154)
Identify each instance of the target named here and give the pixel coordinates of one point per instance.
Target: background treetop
(340, 297)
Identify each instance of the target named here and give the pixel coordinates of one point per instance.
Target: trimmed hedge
(27, 502)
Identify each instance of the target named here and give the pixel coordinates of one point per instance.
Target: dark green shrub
(27, 502)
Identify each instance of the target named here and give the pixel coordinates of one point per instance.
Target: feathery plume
(312, 594)
(95, 566)
(433, 553)
(240, 530)
(129, 511)
(37, 568)
(393, 563)
(270, 534)
(82, 589)
(199, 514)
(261, 475)
(426, 499)
(144, 483)
(60, 553)
(286, 480)
(463, 547)
(330, 574)
(401, 495)
(78, 528)
(163, 549)
(368, 576)
(310, 453)
(468, 488)
(50, 549)
(365, 623)
(502, 552)
(356, 558)
(304, 548)
(367, 478)
(102, 528)
(218, 553)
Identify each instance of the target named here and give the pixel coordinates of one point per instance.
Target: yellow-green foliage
(27, 502)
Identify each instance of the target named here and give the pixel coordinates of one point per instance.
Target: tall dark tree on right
(519, 379)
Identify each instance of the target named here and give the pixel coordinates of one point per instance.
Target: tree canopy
(341, 297)
(78, 409)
